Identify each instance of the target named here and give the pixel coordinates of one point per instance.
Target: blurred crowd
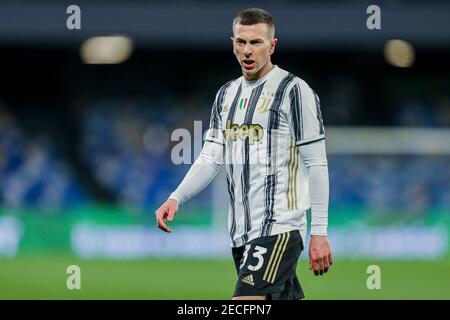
(390, 184)
(127, 147)
(31, 172)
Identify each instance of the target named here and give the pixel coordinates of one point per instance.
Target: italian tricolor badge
(243, 103)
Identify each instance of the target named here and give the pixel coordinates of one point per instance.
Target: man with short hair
(266, 111)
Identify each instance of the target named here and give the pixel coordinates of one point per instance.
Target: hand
(320, 256)
(166, 213)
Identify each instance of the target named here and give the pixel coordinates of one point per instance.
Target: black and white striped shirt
(256, 129)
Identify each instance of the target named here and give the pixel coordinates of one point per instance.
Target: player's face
(253, 47)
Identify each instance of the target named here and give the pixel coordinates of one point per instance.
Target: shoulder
(294, 80)
(223, 94)
(302, 85)
(230, 85)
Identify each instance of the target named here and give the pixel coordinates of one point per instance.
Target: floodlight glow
(399, 53)
(106, 50)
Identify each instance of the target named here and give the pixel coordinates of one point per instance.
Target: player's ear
(273, 43)
(232, 39)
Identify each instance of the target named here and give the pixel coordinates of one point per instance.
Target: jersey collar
(254, 83)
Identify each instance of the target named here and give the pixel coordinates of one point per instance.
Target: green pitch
(45, 278)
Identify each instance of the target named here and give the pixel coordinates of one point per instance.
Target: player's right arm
(202, 171)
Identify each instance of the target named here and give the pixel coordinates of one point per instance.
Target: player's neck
(261, 73)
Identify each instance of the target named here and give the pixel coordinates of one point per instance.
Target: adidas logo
(248, 280)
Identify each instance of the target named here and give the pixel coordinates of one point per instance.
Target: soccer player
(266, 128)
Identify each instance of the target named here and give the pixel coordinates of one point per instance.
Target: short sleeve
(305, 114)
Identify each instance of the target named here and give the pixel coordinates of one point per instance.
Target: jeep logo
(250, 132)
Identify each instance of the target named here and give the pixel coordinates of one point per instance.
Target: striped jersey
(260, 125)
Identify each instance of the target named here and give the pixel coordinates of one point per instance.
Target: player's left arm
(309, 133)
(314, 156)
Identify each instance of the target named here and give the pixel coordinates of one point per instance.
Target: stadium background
(85, 148)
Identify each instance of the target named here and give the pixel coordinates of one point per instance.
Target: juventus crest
(266, 101)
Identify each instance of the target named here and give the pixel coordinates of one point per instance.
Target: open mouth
(248, 64)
